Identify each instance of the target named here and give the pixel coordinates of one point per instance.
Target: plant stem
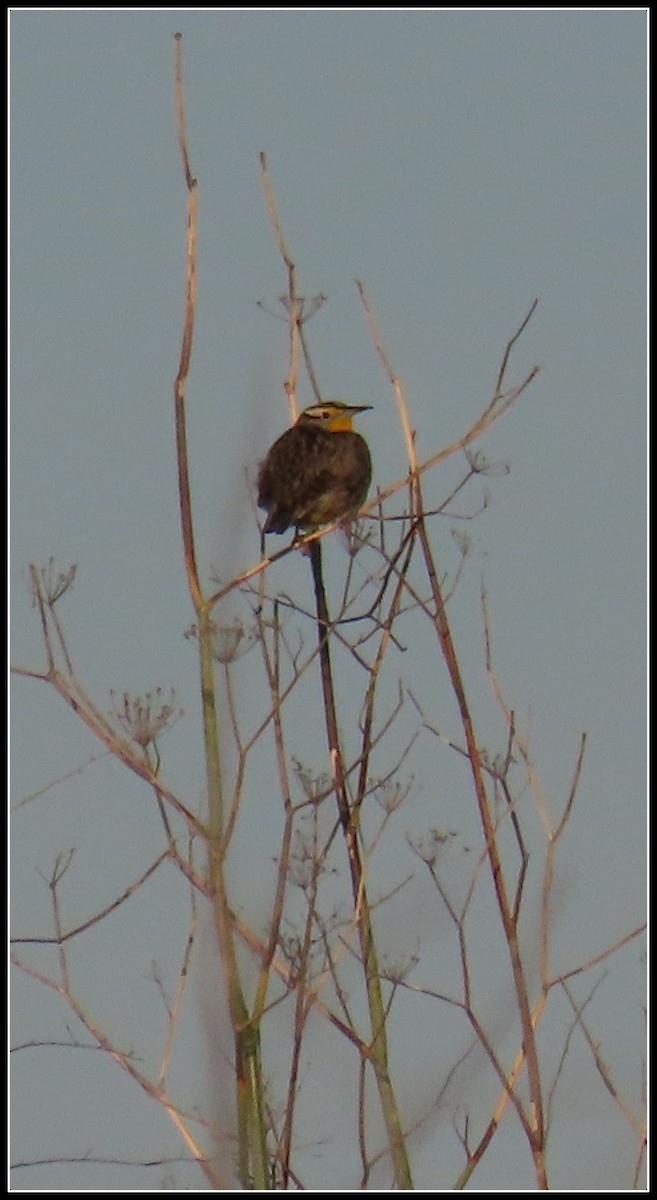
(378, 1046)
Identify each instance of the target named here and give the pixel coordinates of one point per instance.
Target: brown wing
(311, 477)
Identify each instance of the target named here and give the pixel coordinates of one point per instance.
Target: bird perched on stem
(318, 471)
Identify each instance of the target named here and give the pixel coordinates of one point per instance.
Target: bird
(317, 472)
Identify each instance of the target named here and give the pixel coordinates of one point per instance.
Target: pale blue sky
(460, 163)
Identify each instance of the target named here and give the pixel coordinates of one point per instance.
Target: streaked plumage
(317, 472)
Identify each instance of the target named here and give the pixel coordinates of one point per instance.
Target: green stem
(253, 1162)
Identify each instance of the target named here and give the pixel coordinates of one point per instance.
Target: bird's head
(332, 415)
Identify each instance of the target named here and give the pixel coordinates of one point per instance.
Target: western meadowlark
(318, 471)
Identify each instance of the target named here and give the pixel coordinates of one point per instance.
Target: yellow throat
(333, 415)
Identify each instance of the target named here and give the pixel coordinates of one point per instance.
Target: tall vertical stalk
(378, 1045)
(253, 1165)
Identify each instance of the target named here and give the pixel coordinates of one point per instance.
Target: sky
(461, 163)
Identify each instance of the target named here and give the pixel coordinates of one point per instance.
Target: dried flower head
(145, 717)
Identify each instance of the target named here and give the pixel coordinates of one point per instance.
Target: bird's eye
(325, 415)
